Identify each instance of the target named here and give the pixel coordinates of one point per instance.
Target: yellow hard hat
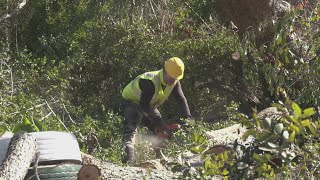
(174, 67)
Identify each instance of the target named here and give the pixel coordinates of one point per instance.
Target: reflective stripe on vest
(159, 95)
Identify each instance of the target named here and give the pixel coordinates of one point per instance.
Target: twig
(317, 166)
(68, 114)
(46, 116)
(39, 105)
(155, 15)
(35, 167)
(57, 116)
(204, 22)
(11, 77)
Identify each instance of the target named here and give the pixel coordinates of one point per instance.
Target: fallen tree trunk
(21, 151)
(92, 162)
(110, 170)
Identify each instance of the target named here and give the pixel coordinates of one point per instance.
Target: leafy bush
(192, 139)
(287, 61)
(102, 137)
(62, 68)
(281, 145)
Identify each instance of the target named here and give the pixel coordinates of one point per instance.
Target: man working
(143, 95)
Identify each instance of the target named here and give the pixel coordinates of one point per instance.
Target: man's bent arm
(181, 101)
(147, 91)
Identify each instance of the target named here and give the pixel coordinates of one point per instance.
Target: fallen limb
(21, 151)
(35, 168)
(14, 12)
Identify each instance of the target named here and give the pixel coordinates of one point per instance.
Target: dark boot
(158, 146)
(129, 154)
(157, 151)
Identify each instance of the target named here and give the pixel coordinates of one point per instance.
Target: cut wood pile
(30, 156)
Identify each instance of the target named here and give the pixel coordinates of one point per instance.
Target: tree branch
(57, 117)
(68, 114)
(14, 12)
(35, 168)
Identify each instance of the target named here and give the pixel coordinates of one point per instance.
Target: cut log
(89, 172)
(91, 160)
(21, 151)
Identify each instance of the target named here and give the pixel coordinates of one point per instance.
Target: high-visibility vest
(132, 91)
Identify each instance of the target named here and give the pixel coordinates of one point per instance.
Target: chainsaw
(166, 131)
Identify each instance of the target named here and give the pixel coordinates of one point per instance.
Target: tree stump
(21, 151)
(89, 172)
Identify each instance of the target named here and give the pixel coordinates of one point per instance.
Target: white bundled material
(52, 145)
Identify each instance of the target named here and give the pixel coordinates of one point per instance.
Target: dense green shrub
(288, 62)
(282, 145)
(63, 65)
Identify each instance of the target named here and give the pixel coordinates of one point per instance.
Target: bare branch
(39, 105)
(14, 12)
(46, 116)
(56, 116)
(35, 168)
(68, 114)
(204, 22)
(153, 11)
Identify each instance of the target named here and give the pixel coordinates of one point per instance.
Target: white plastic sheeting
(52, 145)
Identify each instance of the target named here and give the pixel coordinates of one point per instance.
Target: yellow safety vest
(132, 91)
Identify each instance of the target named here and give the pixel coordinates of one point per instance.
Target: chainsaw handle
(166, 131)
(173, 126)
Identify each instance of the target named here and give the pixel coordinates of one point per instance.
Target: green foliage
(69, 40)
(192, 138)
(64, 63)
(288, 61)
(3, 128)
(101, 138)
(26, 126)
(281, 148)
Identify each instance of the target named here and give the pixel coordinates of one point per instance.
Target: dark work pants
(133, 117)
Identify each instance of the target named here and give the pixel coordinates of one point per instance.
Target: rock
(152, 164)
(282, 8)
(271, 112)
(227, 135)
(231, 137)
